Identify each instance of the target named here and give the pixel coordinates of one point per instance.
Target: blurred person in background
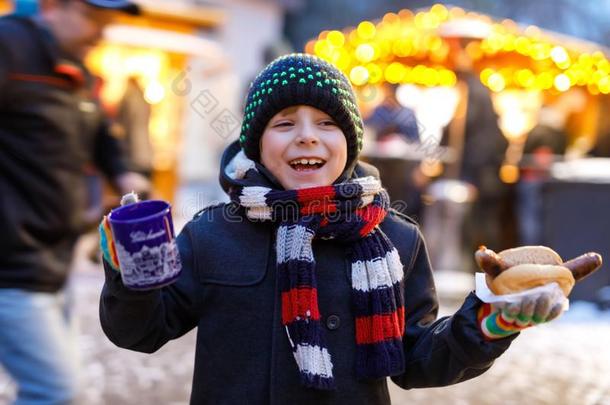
(132, 119)
(391, 117)
(482, 154)
(393, 122)
(601, 147)
(51, 126)
(545, 143)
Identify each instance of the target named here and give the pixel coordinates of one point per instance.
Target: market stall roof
(182, 12)
(424, 47)
(165, 40)
(164, 25)
(174, 14)
(479, 26)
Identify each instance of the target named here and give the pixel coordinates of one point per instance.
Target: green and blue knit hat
(300, 79)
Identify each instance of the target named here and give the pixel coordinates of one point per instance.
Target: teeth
(306, 161)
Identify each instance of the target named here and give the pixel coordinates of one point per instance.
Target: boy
(306, 287)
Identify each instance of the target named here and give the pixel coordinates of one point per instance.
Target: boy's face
(303, 147)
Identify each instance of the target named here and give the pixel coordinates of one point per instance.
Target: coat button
(333, 322)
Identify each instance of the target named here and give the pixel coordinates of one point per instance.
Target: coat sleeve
(5, 63)
(145, 320)
(444, 351)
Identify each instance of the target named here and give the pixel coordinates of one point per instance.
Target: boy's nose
(308, 139)
(307, 136)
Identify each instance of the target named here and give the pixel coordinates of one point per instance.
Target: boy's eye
(282, 124)
(328, 123)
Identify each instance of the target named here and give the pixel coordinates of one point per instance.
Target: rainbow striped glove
(107, 240)
(499, 321)
(107, 244)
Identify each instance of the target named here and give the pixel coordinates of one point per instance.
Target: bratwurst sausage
(583, 265)
(489, 261)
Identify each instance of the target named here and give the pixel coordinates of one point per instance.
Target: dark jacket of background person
(133, 116)
(602, 147)
(484, 144)
(50, 127)
(228, 290)
(392, 118)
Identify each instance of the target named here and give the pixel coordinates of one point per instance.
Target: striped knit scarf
(349, 212)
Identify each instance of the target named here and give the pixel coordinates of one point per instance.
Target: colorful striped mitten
(107, 244)
(499, 322)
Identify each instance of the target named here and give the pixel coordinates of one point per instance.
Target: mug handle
(168, 228)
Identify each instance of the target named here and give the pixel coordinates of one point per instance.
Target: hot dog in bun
(525, 267)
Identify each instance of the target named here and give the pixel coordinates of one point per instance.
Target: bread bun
(525, 276)
(530, 255)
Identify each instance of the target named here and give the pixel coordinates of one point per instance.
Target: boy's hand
(107, 240)
(497, 322)
(107, 244)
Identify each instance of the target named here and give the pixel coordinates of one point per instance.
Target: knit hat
(300, 79)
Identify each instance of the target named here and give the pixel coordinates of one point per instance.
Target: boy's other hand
(498, 321)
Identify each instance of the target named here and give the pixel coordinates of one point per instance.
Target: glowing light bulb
(485, 74)
(559, 55)
(359, 75)
(496, 82)
(375, 73)
(509, 174)
(365, 53)
(394, 72)
(154, 93)
(366, 30)
(336, 38)
(562, 82)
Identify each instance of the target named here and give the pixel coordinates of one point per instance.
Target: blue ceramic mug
(146, 247)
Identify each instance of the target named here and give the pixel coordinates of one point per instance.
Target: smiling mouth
(306, 164)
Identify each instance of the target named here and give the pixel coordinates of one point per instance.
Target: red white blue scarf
(349, 212)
